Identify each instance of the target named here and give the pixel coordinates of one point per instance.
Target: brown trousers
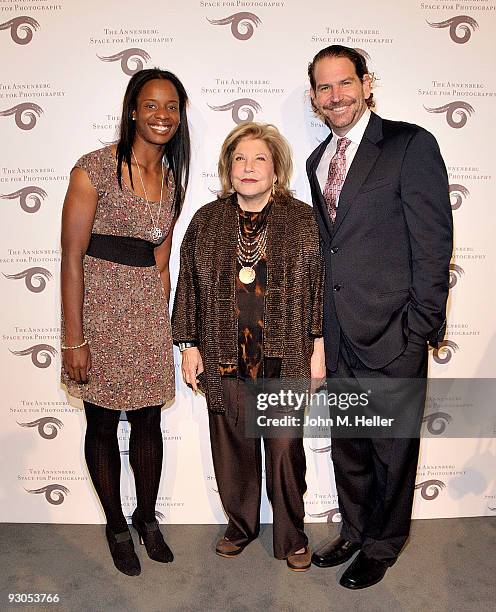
(238, 470)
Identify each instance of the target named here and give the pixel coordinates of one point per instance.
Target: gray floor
(448, 565)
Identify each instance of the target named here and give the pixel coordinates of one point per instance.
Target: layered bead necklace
(249, 252)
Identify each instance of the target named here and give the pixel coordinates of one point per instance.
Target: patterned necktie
(336, 176)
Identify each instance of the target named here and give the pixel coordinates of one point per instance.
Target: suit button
(337, 287)
(334, 250)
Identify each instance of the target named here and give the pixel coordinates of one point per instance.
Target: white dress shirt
(355, 135)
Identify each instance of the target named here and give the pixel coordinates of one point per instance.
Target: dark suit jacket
(387, 256)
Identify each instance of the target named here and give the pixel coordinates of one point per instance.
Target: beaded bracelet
(67, 348)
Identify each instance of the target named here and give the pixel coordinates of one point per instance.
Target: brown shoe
(225, 548)
(300, 562)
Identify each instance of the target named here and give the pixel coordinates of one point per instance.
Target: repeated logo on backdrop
(25, 114)
(457, 194)
(460, 27)
(243, 95)
(41, 354)
(35, 278)
(48, 427)
(444, 352)
(131, 60)
(21, 29)
(242, 106)
(54, 494)
(51, 484)
(30, 198)
(124, 46)
(242, 24)
(457, 113)
(455, 272)
(437, 422)
(430, 489)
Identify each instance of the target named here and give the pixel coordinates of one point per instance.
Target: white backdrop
(65, 65)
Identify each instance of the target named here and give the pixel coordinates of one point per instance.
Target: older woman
(248, 306)
(117, 222)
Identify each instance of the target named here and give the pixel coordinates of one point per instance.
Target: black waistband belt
(122, 250)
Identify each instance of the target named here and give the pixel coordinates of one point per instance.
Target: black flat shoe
(363, 572)
(151, 536)
(335, 552)
(122, 551)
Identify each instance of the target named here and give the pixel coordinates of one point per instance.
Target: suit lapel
(362, 164)
(318, 199)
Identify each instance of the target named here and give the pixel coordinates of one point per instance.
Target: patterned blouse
(250, 306)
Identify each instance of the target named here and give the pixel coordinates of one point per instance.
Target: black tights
(102, 454)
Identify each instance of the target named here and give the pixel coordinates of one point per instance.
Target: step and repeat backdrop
(65, 66)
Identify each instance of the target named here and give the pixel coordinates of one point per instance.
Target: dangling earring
(274, 188)
(133, 117)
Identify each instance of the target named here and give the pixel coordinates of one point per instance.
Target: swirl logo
(436, 422)
(430, 489)
(127, 57)
(332, 516)
(31, 193)
(54, 493)
(45, 351)
(444, 352)
(23, 24)
(28, 110)
(492, 509)
(243, 105)
(241, 24)
(455, 272)
(39, 275)
(461, 109)
(48, 427)
(462, 23)
(457, 194)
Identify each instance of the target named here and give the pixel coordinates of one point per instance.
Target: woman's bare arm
(77, 221)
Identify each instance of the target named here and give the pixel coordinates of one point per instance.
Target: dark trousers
(375, 477)
(238, 471)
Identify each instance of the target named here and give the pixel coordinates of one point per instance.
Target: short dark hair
(355, 57)
(177, 151)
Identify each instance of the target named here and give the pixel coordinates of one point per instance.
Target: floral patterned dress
(125, 310)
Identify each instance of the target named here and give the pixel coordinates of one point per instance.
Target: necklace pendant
(156, 234)
(246, 275)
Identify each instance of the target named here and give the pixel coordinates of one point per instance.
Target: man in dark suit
(381, 199)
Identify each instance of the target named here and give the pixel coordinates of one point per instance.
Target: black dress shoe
(151, 536)
(335, 552)
(363, 572)
(122, 551)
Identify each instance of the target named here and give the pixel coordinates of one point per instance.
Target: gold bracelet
(69, 348)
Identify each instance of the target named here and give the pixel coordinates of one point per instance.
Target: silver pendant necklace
(156, 233)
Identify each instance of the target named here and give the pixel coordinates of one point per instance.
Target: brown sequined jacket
(205, 300)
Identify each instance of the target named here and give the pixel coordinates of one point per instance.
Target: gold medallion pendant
(246, 275)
